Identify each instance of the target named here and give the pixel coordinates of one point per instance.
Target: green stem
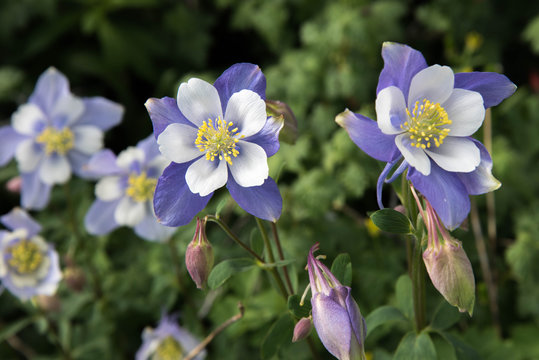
(232, 236)
(271, 258)
(418, 287)
(175, 260)
(281, 257)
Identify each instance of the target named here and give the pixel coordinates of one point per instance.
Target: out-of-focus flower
(426, 116)
(302, 329)
(125, 191)
(28, 265)
(167, 342)
(199, 256)
(54, 134)
(14, 184)
(336, 315)
(215, 135)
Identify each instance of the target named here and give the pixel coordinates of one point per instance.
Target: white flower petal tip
(390, 110)
(205, 176)
(250, 168)
(247, 110)
(434, 83)
(199, 101)
(456, 155)
(415, 157)
(177, 143)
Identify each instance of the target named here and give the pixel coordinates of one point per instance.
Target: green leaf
(403, 293)
(463, 350)
(383, 315)
(342, 269)
(296, 309)
(414, 347)
(279, 334)
(224, 270)
(14, 328)
(392, 221)
(444, 316)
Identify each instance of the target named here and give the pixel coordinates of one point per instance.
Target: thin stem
(491, 204)
(418, 287)
(232, 236)
(73, 246)
(271, 258)
(281, 257)
(175, 260)
(214, 333)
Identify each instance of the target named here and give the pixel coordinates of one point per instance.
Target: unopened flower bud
(74, 278)
(199, 256)
(451, 273)
(302, 329)
(48, 303)
(14, 185)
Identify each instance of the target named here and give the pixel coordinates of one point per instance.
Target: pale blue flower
(28, 265)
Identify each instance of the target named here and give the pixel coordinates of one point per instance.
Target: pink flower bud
(199, 256)
(14, 185)
(302, 329)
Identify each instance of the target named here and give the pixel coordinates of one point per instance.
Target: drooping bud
(199, 256)
(336, 315)
(302, 329)
(451, 273)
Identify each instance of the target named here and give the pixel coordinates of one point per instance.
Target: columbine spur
(125, 191)
(215, 135)
(426, 116)
(28, 265)
(54, 134)
(167, 341)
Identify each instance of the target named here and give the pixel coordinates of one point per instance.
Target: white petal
(247, 111)
(416, 157)
(28, 155)
(177, 143)
(199, 101)
(250, 168)
(466, 111)
(88, 139)
(456, 154)
(28, 119)
(129, 212)
(390, 110)
(130, 155)
(67, 110)
(434, 83)
(55, 169)
(205, 176)
(109, 188)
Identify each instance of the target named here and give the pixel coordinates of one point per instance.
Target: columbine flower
(166, 342)
(336, 315)
(28, 265)
(53, 134)
(426, 115)
(216, 135)
(125, 191)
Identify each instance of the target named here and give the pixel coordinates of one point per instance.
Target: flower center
(25, 257)
(217, 141)
(140, 188)
(169, 349)
(58, 141)
(425, 124)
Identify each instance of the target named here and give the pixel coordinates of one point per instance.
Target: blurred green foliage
(319, 57)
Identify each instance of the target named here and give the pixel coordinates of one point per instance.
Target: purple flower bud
(335, 313)
(302, 329)
(199, 256)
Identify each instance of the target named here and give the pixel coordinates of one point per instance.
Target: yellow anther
(218, 141)
(169, 349)
(426, 122)
(24, 257)
(56, 141)
(140, 187)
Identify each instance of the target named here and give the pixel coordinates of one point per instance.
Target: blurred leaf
(444, 316)
(14, 328)
(342, 269)
(403, 293)
(462, 350)
(414, 347)
(279, 334)
(225, 269)
(298, 310)
(531, 34)
(391, 221)
(383, 315)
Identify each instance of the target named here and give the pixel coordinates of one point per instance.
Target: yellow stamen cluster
(426, 124)
(24, 257)
(216, 140)
(57, 141)
(169, 349)
(140, 187)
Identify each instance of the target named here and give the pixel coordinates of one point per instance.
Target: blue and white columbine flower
(125, 191)
(426, 116)
(215, 135)
(167, 341)
(54, 134)
(28, 265)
